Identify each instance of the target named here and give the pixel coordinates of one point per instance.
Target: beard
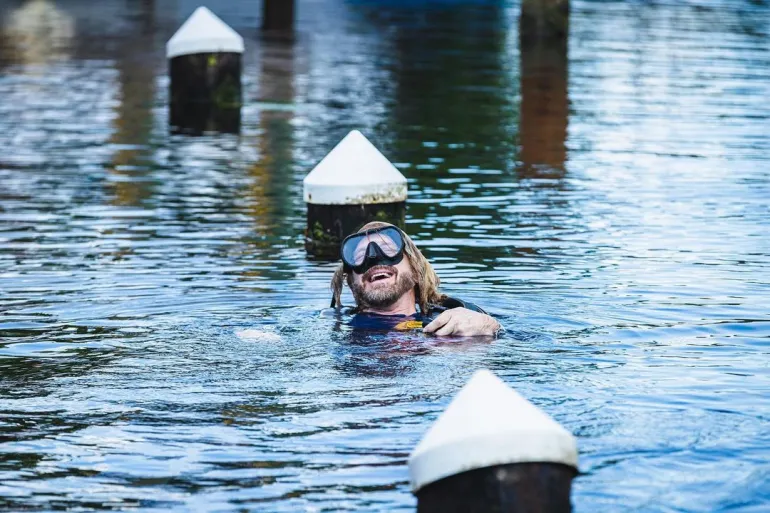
(381, 296)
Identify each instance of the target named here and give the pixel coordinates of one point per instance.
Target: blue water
(163, 339)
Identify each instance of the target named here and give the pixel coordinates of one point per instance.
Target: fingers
(438, 322)
(447, 329)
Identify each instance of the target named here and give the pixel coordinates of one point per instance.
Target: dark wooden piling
(514, 488)
(544, 19)
(351, 186)
(205, 75)
(492, 450)
(278, 16)
(205, 93)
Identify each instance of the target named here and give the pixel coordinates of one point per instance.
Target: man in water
(390, 279)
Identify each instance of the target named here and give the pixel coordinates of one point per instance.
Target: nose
(371, 252)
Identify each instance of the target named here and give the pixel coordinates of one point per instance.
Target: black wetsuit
(379, 322)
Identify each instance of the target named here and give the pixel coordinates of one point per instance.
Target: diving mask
(378, 246)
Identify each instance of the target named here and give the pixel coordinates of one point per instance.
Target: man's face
(381, 285)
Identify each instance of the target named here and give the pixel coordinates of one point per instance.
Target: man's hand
(461, 322)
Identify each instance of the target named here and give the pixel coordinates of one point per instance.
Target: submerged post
(352, 185)
(205, 68)
(278, 16)
(492, 450)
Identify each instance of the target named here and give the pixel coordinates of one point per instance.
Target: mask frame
(374, 253)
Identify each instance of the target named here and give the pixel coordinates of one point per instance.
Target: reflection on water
(133, 122)
(273, 171)
(466, 59)
(544, 109)
(606, 199)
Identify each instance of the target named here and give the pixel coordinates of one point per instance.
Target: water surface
(163, 342)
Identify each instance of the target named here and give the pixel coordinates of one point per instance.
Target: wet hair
(426, 280)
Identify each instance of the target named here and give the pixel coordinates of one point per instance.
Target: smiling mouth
(379, 274)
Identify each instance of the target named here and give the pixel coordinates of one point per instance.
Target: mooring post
(205, 68)
(278, 16)
(544, 19)
(543, 44)
(352, 185)
(492, 450)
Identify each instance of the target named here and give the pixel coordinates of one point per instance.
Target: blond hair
(426, 280)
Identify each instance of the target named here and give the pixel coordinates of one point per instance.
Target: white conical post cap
(203, 32)
(488, 424)
(354, 173)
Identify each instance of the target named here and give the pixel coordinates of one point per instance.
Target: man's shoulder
(448, 303)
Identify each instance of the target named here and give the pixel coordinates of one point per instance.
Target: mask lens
(359, 253)
(388, 239)
(354, 249)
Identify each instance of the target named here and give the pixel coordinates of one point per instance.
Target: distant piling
(278, 16)
(492, 450)
(544, 19)
(354, 184)
(205, 70)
